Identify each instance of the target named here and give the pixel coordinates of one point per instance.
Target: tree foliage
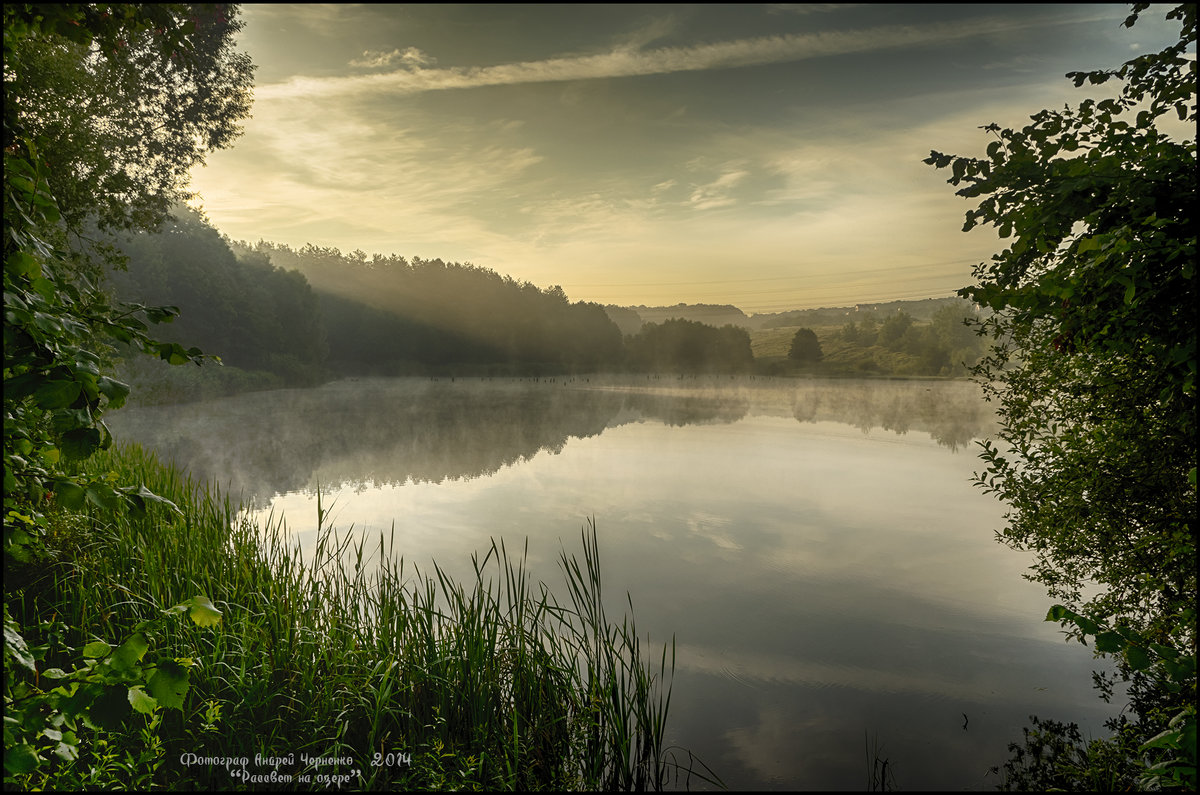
(60, 180)
(123, 99)
(388, 315)
(105, 109)
(689, 347)
(251, 314)
(805, 347)
(1094, 360)
(1095, 311)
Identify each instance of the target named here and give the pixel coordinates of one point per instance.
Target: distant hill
(627, 320)
(630, 319)
(710, 314)
(921, 310)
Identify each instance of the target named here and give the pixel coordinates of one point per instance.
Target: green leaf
(70, 495)
(96, 650)
(1137, 657)
(21, 759)
(1109, 642)
(169, 684)
(21, 264)
(57, 394)
(161, 314)
(68, 752)
(103, 497)
(130, 652)
(203, 612)
(14, 645)
(1166, 652)
(172, 353)
(115, 391)
(1058, 613)
(142, 701)
(80, 443)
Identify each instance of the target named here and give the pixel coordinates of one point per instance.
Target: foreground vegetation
(409, 681)
(1093, 367)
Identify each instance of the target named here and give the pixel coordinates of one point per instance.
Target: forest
(275, 316)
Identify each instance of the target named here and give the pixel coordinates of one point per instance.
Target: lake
(816, 547)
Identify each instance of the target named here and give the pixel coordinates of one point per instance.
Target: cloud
(806, 8)
(716, 193)
(410, 58)
(628, 62)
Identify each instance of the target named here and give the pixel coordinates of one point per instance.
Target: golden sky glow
(764, 156)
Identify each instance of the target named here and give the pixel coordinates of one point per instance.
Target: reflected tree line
(404, 430)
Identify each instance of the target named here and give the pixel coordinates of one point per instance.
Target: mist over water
(398, 430)
(816, 548)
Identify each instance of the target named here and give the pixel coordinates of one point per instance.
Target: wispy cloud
(411, 58)
(628, 62)
(717, 192)
(806, 8)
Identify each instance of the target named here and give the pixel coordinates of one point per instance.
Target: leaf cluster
(124, 99)
(1094, 311)
(1093, 364)
(48, 710)
(106, 106)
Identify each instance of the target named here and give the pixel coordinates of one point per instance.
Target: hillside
(631, 318)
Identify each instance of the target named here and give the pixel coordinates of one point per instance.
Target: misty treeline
(689, 346)
(278, 316)
(297, 317)
(943, 346)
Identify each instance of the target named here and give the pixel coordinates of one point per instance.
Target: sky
(765, 156)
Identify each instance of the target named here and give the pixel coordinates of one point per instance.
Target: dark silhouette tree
(806, 348)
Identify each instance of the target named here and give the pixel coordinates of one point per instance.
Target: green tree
(103, 169)
(805, 348)
(123, 99)
(689, 346)
(951, 326)
(1094, 364)
(84, 85)
(251, 314)
(893, 330)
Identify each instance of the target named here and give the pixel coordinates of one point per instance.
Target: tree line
(315, 313)
(945, 345)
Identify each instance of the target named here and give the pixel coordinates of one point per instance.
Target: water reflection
(409, 430)
(821, 558)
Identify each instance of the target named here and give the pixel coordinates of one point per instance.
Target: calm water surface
(816, 548)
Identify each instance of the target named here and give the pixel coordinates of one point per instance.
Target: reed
(417, 681)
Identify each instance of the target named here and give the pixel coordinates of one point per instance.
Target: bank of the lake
(319, 668)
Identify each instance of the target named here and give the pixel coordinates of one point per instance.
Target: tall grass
(420, 682)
